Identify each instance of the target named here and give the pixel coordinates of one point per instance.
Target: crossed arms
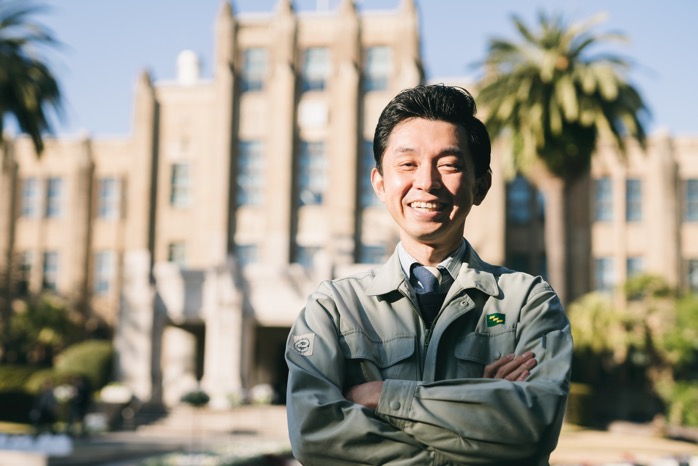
(511, 415)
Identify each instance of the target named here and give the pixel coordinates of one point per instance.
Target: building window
(604, 279)
(54, 197)
(316, 70)
(312, 173)
(367, 198)
(246, 254)
(691, 202)
(633, 200)
(30, 198)
(519, 201)
(254, 69)
(377, 68)
(693, 275)
(305, 255)
(109, 198)
(49, 279)
(603, 199)
(371, 254)
(104, 271)
(25, 266)
(180, 185)
(177, 254)
(250, 176)
(634, 266)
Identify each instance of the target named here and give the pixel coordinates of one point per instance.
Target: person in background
(44, 412)
(436, 357)
(79, 405)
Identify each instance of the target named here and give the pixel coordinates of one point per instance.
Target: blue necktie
(428, 296)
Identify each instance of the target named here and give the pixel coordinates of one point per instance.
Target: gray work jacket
(435, 407)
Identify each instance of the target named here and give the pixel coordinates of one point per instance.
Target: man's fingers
(511, 368)
(492, 368)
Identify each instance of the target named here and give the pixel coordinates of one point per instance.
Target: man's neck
(430, 255)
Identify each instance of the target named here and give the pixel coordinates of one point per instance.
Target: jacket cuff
(396, 400)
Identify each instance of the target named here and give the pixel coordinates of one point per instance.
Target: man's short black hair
(440, 103)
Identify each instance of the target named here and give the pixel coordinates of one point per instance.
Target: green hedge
(580, 405)
(91, 358)
(13, 377)
(683, 404)
(16, 406)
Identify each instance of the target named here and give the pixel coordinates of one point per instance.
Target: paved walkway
(260, 427)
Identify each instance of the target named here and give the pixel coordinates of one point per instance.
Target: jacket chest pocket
(367, 360)
(476, 350)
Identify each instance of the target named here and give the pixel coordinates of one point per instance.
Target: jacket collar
(474, 273)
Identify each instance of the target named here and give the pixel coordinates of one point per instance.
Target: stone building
(198, 237)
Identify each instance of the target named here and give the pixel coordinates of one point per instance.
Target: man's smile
(431, 206)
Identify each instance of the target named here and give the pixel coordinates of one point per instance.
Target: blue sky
(108, 43)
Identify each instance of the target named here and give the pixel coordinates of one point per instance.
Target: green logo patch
(495, 319)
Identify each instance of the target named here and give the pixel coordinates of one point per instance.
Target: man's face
(428, 182)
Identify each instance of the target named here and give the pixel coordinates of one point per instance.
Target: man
(395, 367)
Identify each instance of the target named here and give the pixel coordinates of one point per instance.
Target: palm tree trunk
(7, 168)
(555, 231)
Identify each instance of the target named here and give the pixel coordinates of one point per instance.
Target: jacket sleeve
(324, 427)
(490, 421)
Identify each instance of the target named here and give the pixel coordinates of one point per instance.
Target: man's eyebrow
(453, 150)
(403, 149)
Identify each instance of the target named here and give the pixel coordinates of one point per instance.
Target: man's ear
(377, 183)
(482, 186)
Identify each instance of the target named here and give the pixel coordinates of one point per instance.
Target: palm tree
(555, 99)
(28, 88)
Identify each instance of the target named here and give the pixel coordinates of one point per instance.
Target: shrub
(196, 398)
(14, 377)
(682, 404)
(39, 329)
(16, 406)
(580, 405)
(91, 358)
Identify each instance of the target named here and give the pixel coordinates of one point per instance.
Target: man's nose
(427, 178)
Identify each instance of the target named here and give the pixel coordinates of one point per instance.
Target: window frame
(109, 198)
(603, 199)
(255, 63)
(104, 271)
(376, 78)
(54, 197)
(250, 179)
(180, 184)
(633, 200)
(50, 268)
(312, 173)
(316, 68)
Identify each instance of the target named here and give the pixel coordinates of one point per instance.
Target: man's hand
(510, 367)
(367, 394)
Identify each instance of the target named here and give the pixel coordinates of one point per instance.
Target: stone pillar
(218, 167)
(343, 153)
(178, 364)
(223, 314)
(663, 215)
(408, 72)
(282, 98)
(133, 338)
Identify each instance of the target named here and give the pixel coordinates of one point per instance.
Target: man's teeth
(425, 205)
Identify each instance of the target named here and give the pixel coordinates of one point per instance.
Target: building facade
(198, 237)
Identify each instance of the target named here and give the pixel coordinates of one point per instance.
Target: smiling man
(436, 357)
